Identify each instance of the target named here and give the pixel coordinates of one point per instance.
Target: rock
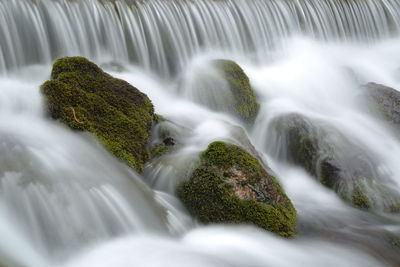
(385, 100)
(231, 186)
(336, 161)
(241, 138)
(84, 97)
(159, 149)
(246, 106)
(169, 141)
(113, 66)
(166, 136)
(223, 86)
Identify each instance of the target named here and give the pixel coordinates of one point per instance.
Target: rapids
(65, 201)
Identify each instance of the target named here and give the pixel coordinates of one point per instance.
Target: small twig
(76, 119)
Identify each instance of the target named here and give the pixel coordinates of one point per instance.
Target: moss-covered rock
(231, 186)
(85, 98)
(339, 163)
(221, 85)
(246, 106)
(160, 150)
(166, 146)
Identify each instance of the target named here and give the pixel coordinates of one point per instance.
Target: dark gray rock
(339, 163)
(385, 100)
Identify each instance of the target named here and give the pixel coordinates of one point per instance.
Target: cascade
(66, 201)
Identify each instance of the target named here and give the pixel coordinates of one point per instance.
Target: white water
(146, 31)
(66, 201)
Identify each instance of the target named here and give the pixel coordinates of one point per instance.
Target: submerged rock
(84, 97)
(221, 85)
(246, 106)
(162, 148)
(166, 137)
(385, 100)
(336, 161)
(231, 186)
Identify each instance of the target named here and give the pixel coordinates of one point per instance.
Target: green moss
(85, 98)
(75, 64)
(246, 106)
(226, 156)
(395, 207)
(209, 196)
(359, 199)
(160, 150)
(158, 118)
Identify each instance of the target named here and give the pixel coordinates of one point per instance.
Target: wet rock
(231, 186)
(221, 85)
(85, 98)
(385, 100)
(113, 66)
(166, 137)
(169, 141)
(339, 163)
(246, 106)
(162, 148)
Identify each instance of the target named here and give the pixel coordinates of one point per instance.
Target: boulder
(85, 98)
(231, 186)
(221, 85)
(339, 163)
(385, 100)
(245, 104)
(166, 137)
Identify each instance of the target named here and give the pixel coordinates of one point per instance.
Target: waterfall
(65, 201)
(164, 35)
(49, 189)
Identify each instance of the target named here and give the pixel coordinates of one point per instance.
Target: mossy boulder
(84, 97)
(221, 85)
(339, 163)
(231, 186)
(245, 104)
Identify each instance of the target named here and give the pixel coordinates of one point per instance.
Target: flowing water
(66, 202)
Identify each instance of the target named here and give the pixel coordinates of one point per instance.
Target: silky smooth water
(65, 201)
(164, 35)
